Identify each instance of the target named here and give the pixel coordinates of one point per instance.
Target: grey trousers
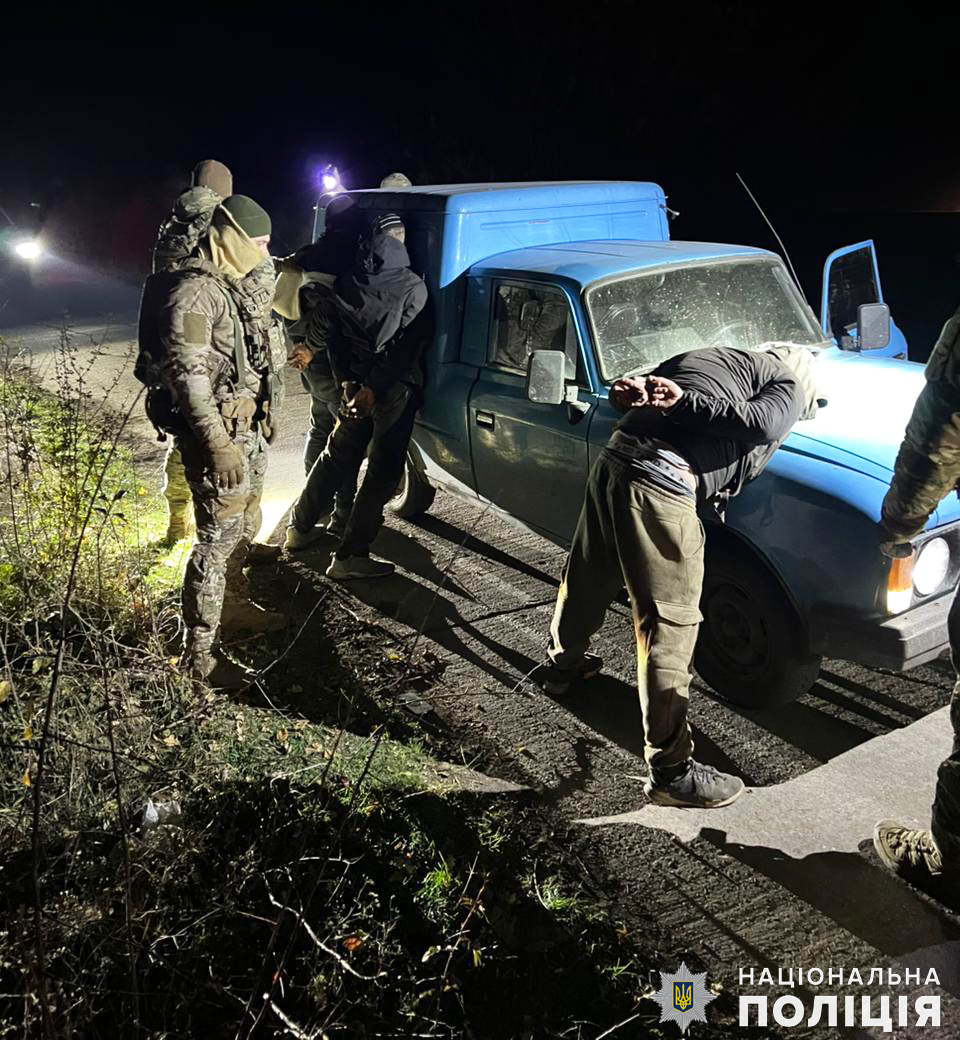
(631, 533)
(325, 398)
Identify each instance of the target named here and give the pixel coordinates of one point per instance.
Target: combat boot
(241, 614)
(218, 672)
(910, 853)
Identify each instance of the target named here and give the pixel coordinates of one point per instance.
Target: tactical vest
(176, 255)
(252, 345)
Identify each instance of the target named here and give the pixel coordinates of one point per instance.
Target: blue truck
(543, 294)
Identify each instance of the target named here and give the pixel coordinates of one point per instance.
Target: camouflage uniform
(927, 469)
(175, 250)
(217, 362)
(177, 241)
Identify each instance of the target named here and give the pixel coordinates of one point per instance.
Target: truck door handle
(486, 419)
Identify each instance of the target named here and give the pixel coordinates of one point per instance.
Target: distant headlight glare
(28, 250)
(930, 570)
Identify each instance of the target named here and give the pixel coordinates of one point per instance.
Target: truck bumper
(900, 642)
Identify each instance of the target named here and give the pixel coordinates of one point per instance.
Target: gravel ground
(477, 591)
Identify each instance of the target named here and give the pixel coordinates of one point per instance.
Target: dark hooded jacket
(334, 253)
(376, 303)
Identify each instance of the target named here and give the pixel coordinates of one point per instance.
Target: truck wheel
(414, 496)
(752, 649)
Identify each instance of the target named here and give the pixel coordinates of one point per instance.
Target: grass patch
(312, 873)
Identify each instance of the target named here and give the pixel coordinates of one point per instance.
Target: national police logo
(683, 996)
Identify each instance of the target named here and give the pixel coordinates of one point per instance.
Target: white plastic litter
(157, 813)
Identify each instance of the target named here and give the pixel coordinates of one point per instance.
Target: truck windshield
(641, 320)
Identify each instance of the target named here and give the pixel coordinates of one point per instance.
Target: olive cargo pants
(945, 823)
(632, 533)
(176, 490)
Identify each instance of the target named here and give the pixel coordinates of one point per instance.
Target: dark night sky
(837, 109)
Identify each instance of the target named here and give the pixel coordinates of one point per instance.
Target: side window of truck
(528, 317)
(852, 282)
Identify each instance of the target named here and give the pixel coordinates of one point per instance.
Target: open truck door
(851, 278)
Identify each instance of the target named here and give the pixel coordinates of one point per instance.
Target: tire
(414, 495)
(752, 649)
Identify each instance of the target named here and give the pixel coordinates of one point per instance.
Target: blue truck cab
(588, 270)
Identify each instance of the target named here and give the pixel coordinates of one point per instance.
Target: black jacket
(376, 302)
(334, 253)
(737, 408)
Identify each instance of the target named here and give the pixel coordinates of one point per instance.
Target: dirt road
(778, 880)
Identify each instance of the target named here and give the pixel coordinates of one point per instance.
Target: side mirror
(873, 326)
(530, 315)
(546, 377)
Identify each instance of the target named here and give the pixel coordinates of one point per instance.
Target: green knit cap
(251, 216)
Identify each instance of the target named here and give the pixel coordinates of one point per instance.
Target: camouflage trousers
(227, 521)
(945, 821)
(176, 490)
(631, 533)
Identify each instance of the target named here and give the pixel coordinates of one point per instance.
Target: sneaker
(337, 526)
(297, 540)
(698, 786)
(358, 567)
(558, 681)
(911, 854)
(261, 554)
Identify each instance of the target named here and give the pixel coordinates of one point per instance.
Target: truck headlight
(900, 585)
(931, 567)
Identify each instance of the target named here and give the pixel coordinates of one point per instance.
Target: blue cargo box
(469, 222)
(451, 227)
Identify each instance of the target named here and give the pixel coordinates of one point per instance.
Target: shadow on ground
(853, 889)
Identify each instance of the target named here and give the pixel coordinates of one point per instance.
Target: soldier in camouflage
(178, 246)
(927, 469)
(218, 366)
(177, 241)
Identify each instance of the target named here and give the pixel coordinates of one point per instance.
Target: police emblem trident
(683, 997)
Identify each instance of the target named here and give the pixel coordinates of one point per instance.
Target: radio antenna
(783, 248)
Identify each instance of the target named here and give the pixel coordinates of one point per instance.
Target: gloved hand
(226, 466)
(891, 546)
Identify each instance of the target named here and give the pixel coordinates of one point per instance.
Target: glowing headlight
(930, 570)
(28, 250)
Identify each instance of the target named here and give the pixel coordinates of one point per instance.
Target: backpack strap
(239, 339)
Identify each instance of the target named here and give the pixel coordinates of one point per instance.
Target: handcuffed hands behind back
(639, 391)
(358, 401)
